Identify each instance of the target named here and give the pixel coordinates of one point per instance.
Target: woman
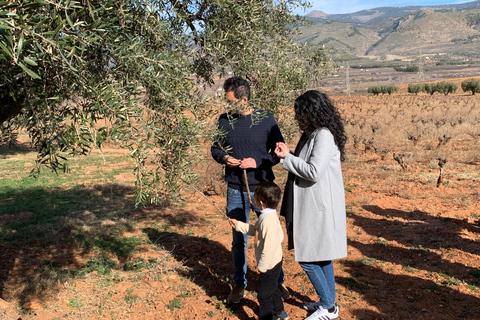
(314, 199)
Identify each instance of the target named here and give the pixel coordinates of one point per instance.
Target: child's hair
(268, 193)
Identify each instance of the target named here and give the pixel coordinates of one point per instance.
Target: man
(246, 141)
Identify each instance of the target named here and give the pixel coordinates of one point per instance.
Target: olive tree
(446, 87)
(430, 88)
(75, 74)
(472, 85)
(415, 88)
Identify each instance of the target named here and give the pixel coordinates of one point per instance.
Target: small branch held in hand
(248, 188)
(213, 204)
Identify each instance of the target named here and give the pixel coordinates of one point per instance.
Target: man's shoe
(282, 316)
(284, 292)
(324, 314)
(237, 294)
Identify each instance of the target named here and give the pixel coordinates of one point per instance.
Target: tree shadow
(404, 296)
(48, 234)
(429, 232)
(421, 238)
(7, 151)
(420, 259)
(413, 244)
(209, 266)
(297, 299)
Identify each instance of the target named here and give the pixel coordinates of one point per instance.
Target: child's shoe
(282, 316)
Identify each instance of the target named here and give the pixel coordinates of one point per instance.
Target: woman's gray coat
(319, 218)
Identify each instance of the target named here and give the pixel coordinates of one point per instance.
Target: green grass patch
(102, 265)
(130, 298)
(475, 273)
(433, 287)
(408, 268)
(449, 281)
(140, 264)
(75, 303)
(175, 303)
(69, 207)
(365, 261)
(62, 218)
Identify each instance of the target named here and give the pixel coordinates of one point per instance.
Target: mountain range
(440, 32)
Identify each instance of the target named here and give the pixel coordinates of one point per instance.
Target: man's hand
(231, 161)
(248, 163)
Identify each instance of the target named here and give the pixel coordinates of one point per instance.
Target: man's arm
(274, 136)
(217, 150)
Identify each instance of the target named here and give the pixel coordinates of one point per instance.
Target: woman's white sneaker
(324, 314)
(311, 306)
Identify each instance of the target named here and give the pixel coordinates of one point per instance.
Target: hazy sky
(349, 6)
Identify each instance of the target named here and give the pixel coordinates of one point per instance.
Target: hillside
(425, 32)
(380, 13)
(447, 32)
(341, 36)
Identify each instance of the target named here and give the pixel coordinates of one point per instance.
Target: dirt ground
(413, 246)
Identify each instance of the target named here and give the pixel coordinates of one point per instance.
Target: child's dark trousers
(269, 296)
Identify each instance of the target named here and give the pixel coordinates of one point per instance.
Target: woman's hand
(281, 150)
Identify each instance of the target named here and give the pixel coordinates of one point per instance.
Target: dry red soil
(414, 248)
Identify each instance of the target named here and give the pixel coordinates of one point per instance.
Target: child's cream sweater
(268, 249)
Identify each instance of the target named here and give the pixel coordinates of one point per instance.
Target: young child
(268, 249)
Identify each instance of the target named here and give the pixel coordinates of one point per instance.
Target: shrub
(406, 68)
(382, 89)
(375, 90)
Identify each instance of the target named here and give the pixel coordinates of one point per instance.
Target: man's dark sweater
(251, 136)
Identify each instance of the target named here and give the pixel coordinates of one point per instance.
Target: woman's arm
(313, 168)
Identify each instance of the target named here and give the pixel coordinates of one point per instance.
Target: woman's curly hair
(314, 110)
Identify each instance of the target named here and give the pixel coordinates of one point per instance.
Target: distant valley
(414, 33)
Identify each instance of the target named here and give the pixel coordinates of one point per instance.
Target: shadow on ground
(412, 244)
(48, 235)
(209, 266)
(15, 149)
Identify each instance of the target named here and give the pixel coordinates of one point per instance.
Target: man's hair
(268, 193)
(239, 86)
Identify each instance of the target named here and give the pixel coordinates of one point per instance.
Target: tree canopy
(472, 85)
(75, 74)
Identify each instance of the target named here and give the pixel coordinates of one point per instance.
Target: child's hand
(233, 222)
